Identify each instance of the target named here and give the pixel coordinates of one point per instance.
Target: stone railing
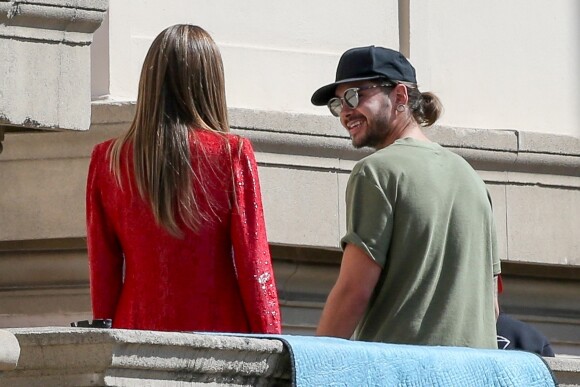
(94, 357)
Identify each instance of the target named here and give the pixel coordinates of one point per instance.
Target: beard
(375, 134)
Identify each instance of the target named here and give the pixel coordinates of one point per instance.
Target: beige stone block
(486, 160)
(505, 140)
(36, 104)
(498, 195)
(43, 145)
(43, 268)
(43, 199)
(44, 178)
(45, 62)
(552, 299)
(51, 306)
(285, 122)
(543, 224)
(310, 282)
(300, 317)
(301, 206)
(550, 143)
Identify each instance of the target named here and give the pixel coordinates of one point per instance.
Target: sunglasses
(351, 98)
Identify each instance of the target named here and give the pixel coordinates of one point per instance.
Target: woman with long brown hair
(176, 232)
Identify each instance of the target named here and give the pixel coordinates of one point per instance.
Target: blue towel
(324, 361)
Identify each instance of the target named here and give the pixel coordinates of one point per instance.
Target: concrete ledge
(566, 369)
(9, 351)
(83, 357)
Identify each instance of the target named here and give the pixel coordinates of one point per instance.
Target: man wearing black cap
(420, 248)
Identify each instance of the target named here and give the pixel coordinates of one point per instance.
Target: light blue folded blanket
(324, 361)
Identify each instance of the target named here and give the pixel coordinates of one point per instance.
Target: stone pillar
(45, 62)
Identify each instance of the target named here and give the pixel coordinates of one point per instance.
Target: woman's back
(218, 278)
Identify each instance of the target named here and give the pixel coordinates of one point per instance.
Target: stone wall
(304, 165)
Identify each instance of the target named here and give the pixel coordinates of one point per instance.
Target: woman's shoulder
(102, 148)
(219, 139)
(100, 157)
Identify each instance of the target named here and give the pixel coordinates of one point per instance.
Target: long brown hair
(181, 88)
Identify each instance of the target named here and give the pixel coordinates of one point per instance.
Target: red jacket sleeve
(105, 255)
(250, 244)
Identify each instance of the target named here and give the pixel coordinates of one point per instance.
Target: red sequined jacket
(219, 279)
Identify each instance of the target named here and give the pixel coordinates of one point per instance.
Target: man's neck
(410, 129)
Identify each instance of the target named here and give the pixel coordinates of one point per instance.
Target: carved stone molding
(45, 62)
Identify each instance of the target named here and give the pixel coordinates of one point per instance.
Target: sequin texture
(219, 279)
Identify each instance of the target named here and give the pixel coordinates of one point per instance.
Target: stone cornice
(322, 137)
(308, 140)
(318, 137)
(61, 21)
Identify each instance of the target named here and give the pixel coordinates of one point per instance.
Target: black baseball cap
(366, 63)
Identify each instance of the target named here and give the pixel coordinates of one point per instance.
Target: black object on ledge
(96, 323)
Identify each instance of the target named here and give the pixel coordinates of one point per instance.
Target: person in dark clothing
(516, 334)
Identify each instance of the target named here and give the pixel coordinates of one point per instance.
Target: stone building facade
(53, 111)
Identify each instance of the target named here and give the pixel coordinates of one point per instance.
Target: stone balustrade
(54, 356)
(101, 357)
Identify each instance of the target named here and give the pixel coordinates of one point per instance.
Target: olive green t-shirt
(424, 216)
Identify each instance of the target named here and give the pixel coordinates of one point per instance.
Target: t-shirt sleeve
(369, 217)
(494, 247)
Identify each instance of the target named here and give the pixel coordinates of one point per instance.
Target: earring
(400, 108)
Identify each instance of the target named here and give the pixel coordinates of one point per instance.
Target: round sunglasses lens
(351, 97)
(335, 106)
